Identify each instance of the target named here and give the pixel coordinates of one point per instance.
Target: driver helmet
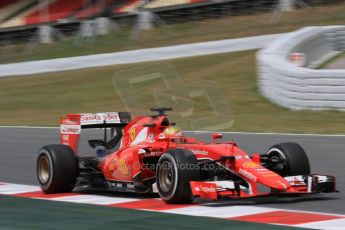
(172, 131)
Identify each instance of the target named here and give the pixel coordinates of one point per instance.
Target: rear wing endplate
(72, 124)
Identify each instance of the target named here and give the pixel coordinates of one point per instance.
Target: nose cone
(274, 181)
(256, 173)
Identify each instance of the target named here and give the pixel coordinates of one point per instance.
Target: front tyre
(288, 159)
(57, 168)
(175, 169)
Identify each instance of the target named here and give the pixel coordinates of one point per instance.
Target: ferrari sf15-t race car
(150, 154)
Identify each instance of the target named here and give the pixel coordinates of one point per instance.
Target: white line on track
(221, 212)
(10, 189)
(199, 210)
(94, 199)
(246, 133)
(337, 224)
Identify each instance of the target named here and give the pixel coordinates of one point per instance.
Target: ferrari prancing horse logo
(132, 134)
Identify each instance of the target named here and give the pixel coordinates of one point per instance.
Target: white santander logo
(204, 189)
(247, 174)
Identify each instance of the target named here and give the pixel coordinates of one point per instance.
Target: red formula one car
(149, 154)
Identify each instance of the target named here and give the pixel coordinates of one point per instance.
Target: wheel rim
(280, 162)
(166, 176)
(43, 169)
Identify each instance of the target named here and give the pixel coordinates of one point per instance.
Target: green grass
(42, 99)
(337, 57)
(24, 213)
(197, 31)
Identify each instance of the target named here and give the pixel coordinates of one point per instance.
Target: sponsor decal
(154, 153)
(204, 190)
(250, 165)
(119, 166)
(122, 167)
(131, 186)
(90, 118)
(66, 121)
(99, 118)
(225, 184)
(111, 184)
(295, 180)
(149, 153)
(70, 129)
(111, 167)
(114, 184)
(247, 174)
(199, 152)
(111, 117)
(119, 185)
(140, 137)
(65, 137)
(201, 188)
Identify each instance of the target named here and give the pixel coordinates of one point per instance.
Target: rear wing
(72, 124)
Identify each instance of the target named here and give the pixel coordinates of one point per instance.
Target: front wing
(302, 184)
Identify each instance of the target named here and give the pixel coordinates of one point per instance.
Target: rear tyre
(175, 169)
(57, 169)
(288, 159)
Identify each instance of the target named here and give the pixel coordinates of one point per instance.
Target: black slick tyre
(57, 168)
(288, 159)
(175, 169)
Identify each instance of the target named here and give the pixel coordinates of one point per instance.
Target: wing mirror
(216, 136)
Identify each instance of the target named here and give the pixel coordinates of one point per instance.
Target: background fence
(111, 29)
(294, 87)
(65, 17)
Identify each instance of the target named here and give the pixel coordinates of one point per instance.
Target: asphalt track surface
(19, 147)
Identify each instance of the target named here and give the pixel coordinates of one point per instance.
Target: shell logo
(112, 167)
(250, 165)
